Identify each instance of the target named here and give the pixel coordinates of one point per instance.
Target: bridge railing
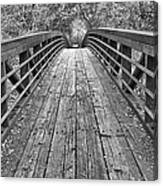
(23, 61)
(130, 58)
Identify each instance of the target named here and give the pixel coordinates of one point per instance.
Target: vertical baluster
(114, 45)
(32, 63)
(36, 48)
(98, 55)
(23, 57)
(49, 41)
(118, 57)
(152, 104)
(101, 52)
(125, 64)
(151, 84)
(3, 92)
(106, 49)
(138, 73)
(44, 43)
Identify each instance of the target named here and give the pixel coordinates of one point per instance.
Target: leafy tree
(75, 18)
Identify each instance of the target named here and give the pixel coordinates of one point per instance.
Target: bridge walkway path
(77, 125)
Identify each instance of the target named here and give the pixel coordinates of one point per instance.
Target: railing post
(151, 63)
(125, 64)
(49, 41)
(23, 57)
(31, 64)
(44, 43)
(106, 49)
(3, 92)
(100, 37)
(114, 45)
(151, 84)
(137, 72)
(36, 48)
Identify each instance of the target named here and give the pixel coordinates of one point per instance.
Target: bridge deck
(77, 125)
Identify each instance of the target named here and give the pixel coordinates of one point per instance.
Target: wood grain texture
(79, 129)
(60, 152)
(132, 127)
(13, 47)
(37, 138)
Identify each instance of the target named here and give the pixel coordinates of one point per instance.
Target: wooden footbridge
(84, 113)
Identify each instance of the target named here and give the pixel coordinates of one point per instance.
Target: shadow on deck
(77, 125)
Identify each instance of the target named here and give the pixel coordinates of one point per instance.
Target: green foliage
(75, 18)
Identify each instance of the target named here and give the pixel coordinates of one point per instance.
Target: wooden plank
(81, 143)
(39, 134)
(49, 124)
(61, 157)
(90, 160)
(44, 156)
(70, 148)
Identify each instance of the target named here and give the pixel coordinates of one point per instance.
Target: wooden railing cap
(147, 33)
(29, 35)
(15, 46)
(148, 38)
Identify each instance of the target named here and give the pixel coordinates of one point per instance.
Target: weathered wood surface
(75, 126)
(13, 47)
(139, 40)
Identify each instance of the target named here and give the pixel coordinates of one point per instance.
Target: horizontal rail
(13, 47)
(29, 85)
(27, 74)
(129, 74)
(116, 48)
(25, 100)
(33, 53)
(150, 73)
(132, 105)
(139, 36)
(28, 60)
(138, 40)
